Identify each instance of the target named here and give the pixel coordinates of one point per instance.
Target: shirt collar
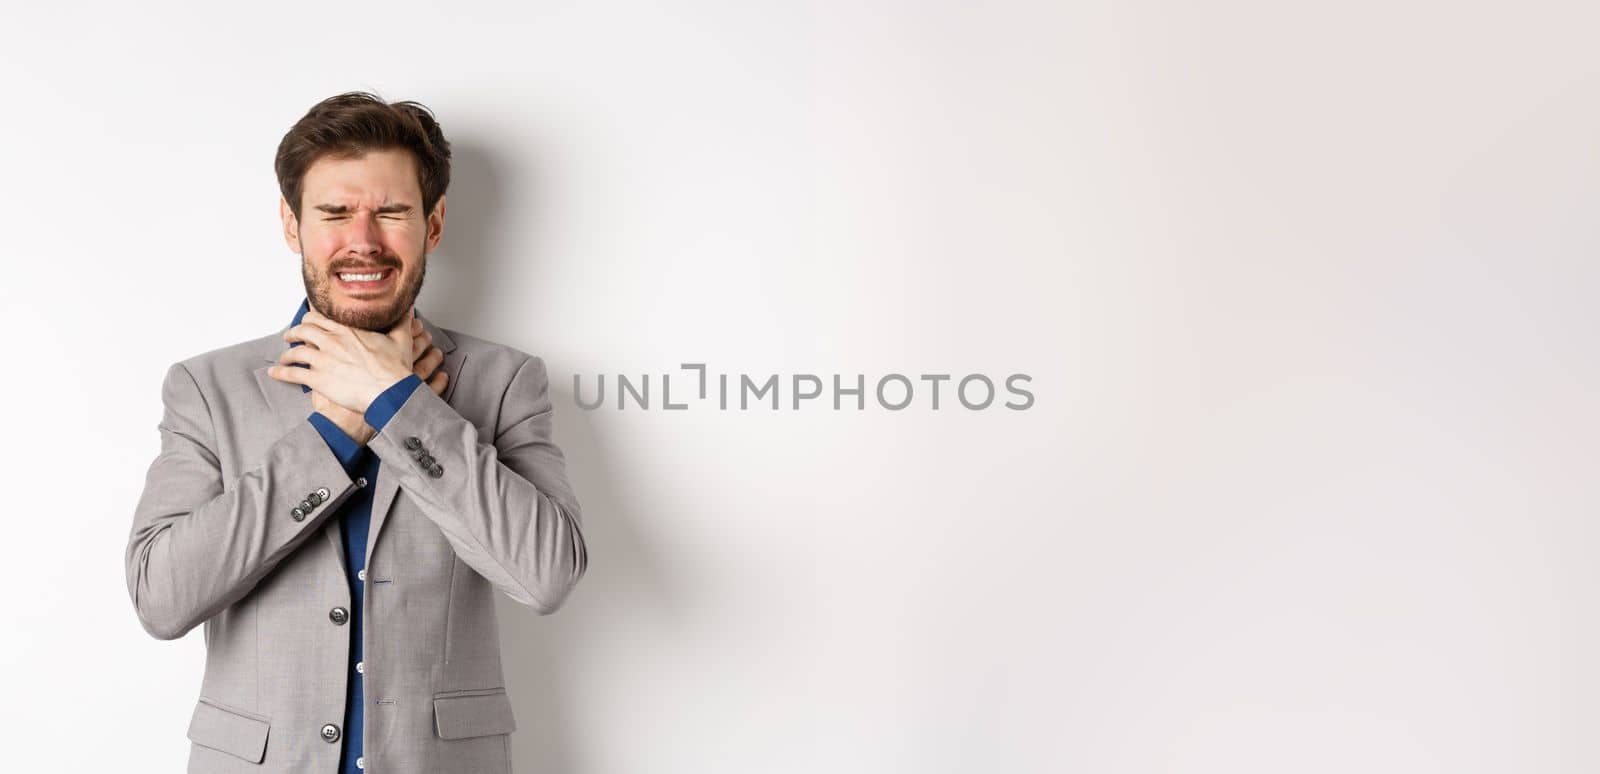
(299, 314)
(305, 305)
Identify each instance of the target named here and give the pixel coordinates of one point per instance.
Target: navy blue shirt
(354, 516)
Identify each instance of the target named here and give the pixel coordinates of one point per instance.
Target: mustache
(354, 266)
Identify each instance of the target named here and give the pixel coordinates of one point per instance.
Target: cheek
(402, 241)
(320, 248)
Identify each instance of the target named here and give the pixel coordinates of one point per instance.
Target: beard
(319, 292)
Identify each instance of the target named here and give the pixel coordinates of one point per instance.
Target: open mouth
(358, 282)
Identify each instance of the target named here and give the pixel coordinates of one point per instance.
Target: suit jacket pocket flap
(480, 713)
(232, 731)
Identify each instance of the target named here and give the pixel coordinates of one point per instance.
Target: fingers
(405, 329)
(311, 334)
(312, 317)
(318, 331)
(311, 356)
(429, 361)
(427, 370)
(293, 375)
(421, 342)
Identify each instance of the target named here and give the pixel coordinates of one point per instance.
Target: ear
(436, 224)
(291, 225)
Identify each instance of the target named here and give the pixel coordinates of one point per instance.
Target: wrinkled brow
(340, 209)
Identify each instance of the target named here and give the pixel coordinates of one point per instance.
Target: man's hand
(426, 362)
(353, 424)
(428, 358)
(350, 367)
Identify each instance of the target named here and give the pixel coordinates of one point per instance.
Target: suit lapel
(382, 501)
(291, 405)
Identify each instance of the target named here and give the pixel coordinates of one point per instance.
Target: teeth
(361, 277)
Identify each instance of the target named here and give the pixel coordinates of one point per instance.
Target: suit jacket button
(339, 615)
(436, 471)
(413, 443)
(330, 733)
(298, 514)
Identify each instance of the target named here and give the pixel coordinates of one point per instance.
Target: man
(337, 501)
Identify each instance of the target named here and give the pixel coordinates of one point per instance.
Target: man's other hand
(353, 424)
(348, 366)
(427, 358)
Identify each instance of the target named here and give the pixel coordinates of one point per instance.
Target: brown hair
(350, 124)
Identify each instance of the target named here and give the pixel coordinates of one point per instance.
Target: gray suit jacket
(216, 540)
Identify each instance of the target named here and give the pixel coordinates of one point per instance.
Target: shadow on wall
(458, 287)
(621, 583)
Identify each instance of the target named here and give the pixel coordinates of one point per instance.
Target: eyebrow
(340, 209)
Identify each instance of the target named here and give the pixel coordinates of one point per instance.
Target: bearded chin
(320, 294)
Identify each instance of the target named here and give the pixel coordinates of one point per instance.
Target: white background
(1307, 292)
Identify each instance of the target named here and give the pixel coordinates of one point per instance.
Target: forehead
(378, 176)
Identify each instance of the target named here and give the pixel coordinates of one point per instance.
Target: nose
(362, 235)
